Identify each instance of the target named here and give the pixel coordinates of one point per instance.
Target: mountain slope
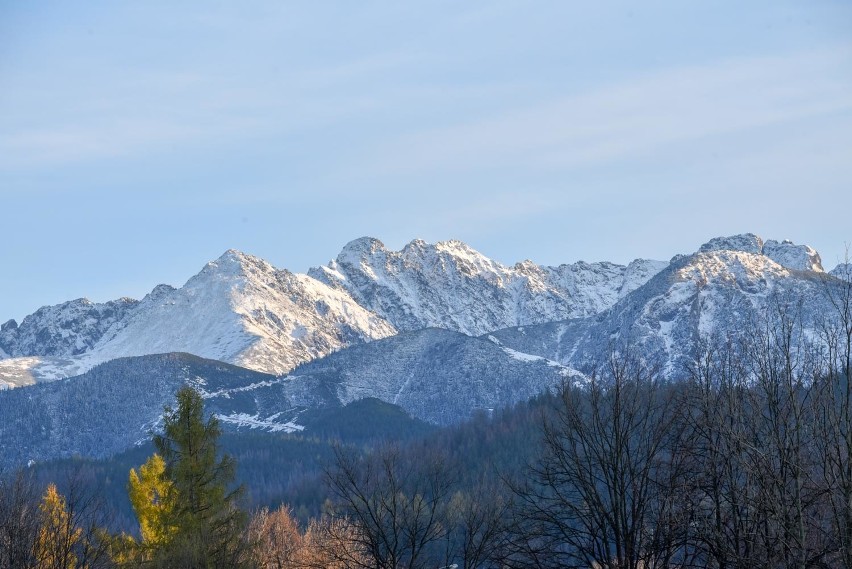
(104, 411)
(238, 309)
(450, 285)
(717, 292)
(438, 376)
(116, 405)
(242, 310)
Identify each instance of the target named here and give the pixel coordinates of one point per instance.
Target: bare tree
(477, 527)
(781, 443)
(19, 520)
(834, 411)
(275, 539)
(722, 492)
(758, 498)
(325, 539)
(604, 494)
(395, 505)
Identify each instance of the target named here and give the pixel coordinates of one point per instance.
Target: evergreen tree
(191, 518)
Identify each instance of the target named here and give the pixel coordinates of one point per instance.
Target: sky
(140, 140)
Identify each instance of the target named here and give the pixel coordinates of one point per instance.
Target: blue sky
(140, 140)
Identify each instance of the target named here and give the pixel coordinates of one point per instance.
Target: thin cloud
(635, 118)
(141, 112)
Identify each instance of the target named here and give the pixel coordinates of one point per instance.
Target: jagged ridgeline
(440, 331)
(242, 310)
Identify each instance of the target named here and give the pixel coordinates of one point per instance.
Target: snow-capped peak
(785, 253)
(745, 242)
(797, 257)
(241, 309)
(234, 262)
(357, 249)
(238, 309)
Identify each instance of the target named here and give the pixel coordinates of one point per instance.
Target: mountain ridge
(715, 292)
(241, 309)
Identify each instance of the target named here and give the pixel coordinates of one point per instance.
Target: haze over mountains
(439, 330)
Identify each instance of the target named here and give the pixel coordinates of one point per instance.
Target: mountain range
(241, 310)
(440, 330)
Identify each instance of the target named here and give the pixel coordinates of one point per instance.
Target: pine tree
(183, 498)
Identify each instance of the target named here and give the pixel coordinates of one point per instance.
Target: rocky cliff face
(785, 253)
(452, 286)
(66, 329)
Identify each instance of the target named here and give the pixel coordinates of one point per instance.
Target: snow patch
(255, 422)
(520, 356)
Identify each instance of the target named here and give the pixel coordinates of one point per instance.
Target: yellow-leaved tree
(57, 536)
(153, 501)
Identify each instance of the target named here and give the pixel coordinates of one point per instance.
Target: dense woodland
(747, 463)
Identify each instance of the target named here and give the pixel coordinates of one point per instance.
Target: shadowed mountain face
(436, 376)
(439, 376)
(106, 410)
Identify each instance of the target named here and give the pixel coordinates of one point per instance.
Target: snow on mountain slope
(798, 257)
(238, 309)
(717, 291)
(452, 286)
(66, 329)
(241, 310)
(785, 253)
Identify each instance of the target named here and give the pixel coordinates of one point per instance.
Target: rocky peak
(65, 329)
(745, 242)
(797, 257)
(415, 245)
(159, 291)
(231, 265)
(785, 253)
(237, 260)
(357, 250)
